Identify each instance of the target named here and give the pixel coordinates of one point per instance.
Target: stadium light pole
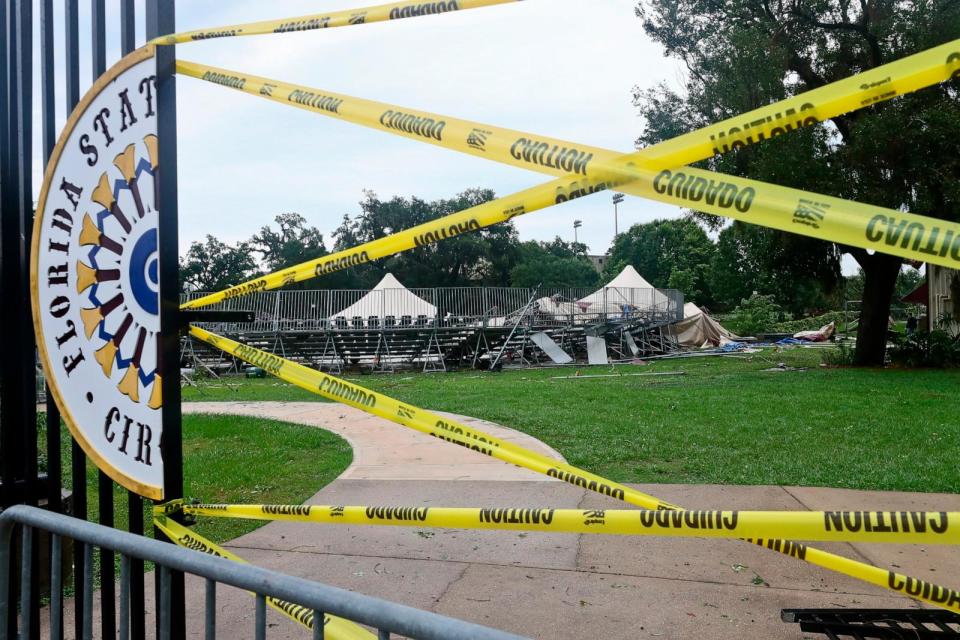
(617, 199)
(576, 225)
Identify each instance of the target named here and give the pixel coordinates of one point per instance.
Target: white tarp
(823, 334)
(697, 329)
(624, 294)
(389, 298)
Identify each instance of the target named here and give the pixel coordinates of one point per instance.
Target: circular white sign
(95, 272)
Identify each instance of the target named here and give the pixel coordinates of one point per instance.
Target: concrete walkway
(556, 585)
(549, 585)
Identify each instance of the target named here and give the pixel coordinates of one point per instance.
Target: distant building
(599, 262)
(943, 289)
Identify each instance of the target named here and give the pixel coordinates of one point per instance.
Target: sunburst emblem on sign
(121, 273)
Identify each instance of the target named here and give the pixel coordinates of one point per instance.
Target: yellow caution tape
(898, 527)
(651, 173)
(333, 627)
(538, 153)
(458, 433)
(344, 18)
(472, 219)
(424, 421)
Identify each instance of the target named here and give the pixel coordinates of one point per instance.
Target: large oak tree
(742, 54)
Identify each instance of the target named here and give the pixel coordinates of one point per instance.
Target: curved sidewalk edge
(383, 450)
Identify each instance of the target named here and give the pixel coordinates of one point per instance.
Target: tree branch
(862, 257)
(876, 56)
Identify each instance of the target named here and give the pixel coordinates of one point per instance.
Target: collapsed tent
(626, 294)
(389, 298)
(822, 334)
(699, 330)
(556, 306)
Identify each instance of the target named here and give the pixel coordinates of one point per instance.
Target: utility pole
(576, 225)
(617, 199)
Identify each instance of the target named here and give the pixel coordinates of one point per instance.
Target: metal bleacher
(465, 326)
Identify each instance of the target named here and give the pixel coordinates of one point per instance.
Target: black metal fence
(21, 479)
(386, 617)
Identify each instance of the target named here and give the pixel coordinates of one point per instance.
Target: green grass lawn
(724, 421)
(238, 460)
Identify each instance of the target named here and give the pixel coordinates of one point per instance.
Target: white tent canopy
(628, 290)
(389, 298)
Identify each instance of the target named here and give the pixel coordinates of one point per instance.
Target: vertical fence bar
(27, 583)
(8, 608)
(125, 597)
(108, 626)
(161, 19)
(128, 26)
(87, 628)
(164, 614)
(260, 622)
(9, 445)
(98, 27)
(17, 398)
(71, 24)
(56, 587)
(137, 600)
(47, 80)
(108, 610)
(22, 353)
(78, 459)
(210, 611)
(318, 619)
(54, 461)
(137, 624)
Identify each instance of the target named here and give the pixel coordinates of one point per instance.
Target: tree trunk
(880, 280)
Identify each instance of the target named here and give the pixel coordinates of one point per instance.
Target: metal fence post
(54, 466)
(137, 629)
(161, 19)
(78, 458)
(98, 40)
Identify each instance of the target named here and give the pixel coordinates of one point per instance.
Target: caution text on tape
(649, 173)
(329, 20)
(455, 432)
(901, 527)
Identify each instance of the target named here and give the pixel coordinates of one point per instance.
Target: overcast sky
(562, 68)
(558, 67)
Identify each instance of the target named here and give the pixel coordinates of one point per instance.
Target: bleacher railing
(349, 309)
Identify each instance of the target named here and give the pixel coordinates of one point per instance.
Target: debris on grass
(619, 375)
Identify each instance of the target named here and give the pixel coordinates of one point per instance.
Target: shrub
(811, 324)
(936, 349)
(842, 356)
(755, 314)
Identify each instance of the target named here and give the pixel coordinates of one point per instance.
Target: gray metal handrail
(386, 617)
(316, 309)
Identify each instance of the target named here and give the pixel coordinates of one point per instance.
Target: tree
(797, 271)
(292, 244)
(901, 154)
(483, 257)
(554, 264)
(755, 314)
(907, 282)
(214, 265)
(669, 254)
